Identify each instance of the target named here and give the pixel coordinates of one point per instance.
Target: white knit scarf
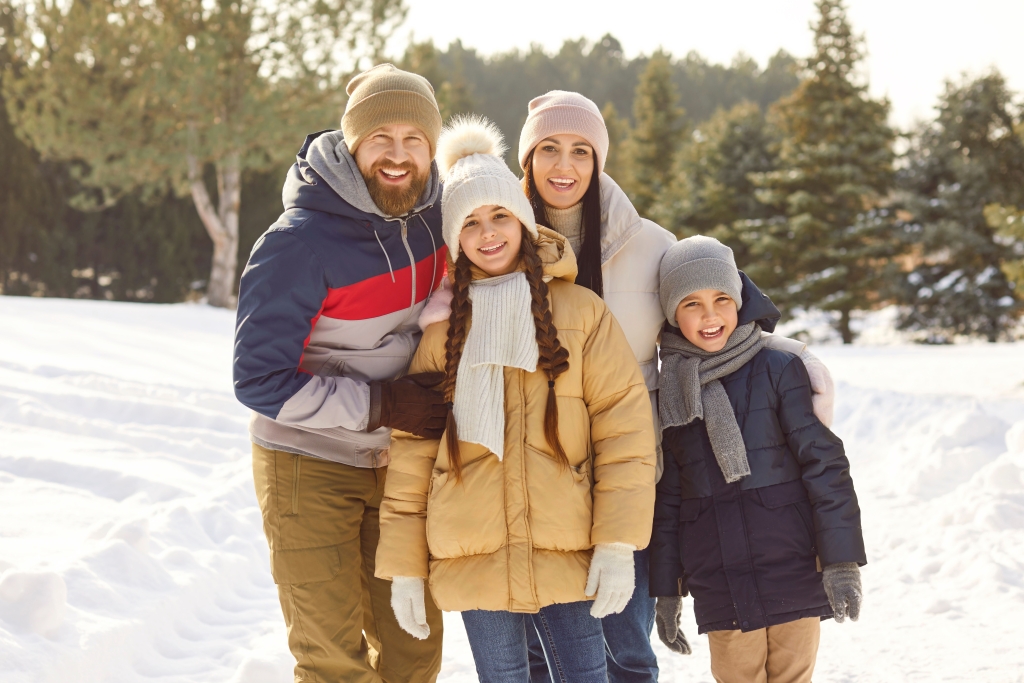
(501, 334)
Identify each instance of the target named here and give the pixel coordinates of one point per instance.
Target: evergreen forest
(146, 171)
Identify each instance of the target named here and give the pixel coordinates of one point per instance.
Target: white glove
(611, 578)
(823, 390)
(407, 602)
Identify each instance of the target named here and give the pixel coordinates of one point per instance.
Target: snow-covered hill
(131, 546)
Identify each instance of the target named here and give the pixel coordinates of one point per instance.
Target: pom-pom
(467, 135)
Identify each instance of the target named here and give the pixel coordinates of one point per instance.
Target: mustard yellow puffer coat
(518, 534)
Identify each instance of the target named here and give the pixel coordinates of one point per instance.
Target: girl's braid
(458, 321)
(554, 359)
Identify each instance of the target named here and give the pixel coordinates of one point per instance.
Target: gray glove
(842, 586)
(667, 612)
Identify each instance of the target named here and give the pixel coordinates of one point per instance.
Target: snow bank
(131, 546)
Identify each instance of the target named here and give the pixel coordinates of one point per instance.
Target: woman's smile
(562, 184)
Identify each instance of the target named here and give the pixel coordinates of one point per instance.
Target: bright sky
(913, 45)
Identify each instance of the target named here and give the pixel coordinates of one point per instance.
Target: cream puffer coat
(631, 251)
(517, 534)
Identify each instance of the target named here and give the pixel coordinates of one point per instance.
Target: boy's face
(707, 318)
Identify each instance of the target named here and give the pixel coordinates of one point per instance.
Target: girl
(542, 487)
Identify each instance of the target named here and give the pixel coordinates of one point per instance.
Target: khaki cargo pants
(322, 523)
(778, 654)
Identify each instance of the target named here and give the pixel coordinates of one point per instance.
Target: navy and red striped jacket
(328, 302)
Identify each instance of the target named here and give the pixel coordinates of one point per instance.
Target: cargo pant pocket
(309, 565)
(289, 471)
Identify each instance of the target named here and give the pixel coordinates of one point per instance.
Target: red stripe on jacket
(378, 295)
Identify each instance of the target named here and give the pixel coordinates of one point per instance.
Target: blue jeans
(571, 640)
(627, 636)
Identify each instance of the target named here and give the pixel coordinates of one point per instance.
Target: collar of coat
(619, 219)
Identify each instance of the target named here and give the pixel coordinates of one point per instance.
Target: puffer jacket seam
(804, 428)
(526, 493)
(769, 447)
(618, 393)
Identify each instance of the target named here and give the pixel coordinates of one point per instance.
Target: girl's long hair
(589, 260)
(554, 359)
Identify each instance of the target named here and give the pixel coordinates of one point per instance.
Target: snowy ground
(131, 547)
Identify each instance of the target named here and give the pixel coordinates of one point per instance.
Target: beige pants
(777, 654)
(322, 523)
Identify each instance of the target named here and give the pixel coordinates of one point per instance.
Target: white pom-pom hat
(474, 175)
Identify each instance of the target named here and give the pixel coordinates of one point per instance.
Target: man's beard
(396, 201)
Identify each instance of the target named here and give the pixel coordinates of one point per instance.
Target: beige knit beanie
(474, 175)
(385, 95)
(561, 112)
(693, 264)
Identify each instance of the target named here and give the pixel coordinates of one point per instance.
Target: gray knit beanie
(693, 264)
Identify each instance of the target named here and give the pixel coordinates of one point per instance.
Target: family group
(519, 400)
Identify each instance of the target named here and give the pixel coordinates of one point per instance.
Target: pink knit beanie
(563, 112)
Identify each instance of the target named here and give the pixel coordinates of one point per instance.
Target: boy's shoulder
(768, 361)
(775, 358)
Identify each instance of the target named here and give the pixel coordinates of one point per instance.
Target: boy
(756, 514)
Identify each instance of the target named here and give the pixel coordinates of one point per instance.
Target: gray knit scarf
(689, 389)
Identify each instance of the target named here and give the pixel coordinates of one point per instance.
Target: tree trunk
(221, 224)
(844, 326)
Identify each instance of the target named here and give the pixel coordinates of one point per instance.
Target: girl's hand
(611, 578)
(407, 602)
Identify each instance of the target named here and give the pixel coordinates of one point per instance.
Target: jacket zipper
(412, 259)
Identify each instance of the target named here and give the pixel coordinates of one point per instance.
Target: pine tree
(1008, 223)
(616, 165)
(967, 159)
(656, 136)
(151, 93)
(711, 192)
(453, 92)
(833, 244)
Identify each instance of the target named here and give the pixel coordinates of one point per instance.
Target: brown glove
(409, 404)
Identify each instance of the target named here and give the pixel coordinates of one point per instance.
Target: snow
(131, 546)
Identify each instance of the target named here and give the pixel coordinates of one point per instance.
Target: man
(327, 323)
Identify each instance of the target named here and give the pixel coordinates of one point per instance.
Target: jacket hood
(757, 307)
(619, 218)
(325, 177)
(555, 254)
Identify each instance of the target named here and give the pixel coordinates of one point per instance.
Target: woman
(562, 151)
(542, 488)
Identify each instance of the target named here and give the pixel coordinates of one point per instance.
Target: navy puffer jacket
(748, 551)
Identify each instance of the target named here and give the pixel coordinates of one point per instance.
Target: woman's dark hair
(589, 259)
